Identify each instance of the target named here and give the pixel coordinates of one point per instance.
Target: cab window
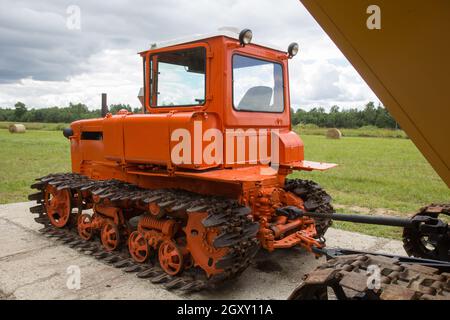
(257, 85)
(179, 78)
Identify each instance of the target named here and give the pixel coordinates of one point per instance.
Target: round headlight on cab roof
(293, 49)
(245, 36)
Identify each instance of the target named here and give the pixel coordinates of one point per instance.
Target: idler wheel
(58, 205)
(138, 247)
(84, 226)
(110, 236)
(170, 257)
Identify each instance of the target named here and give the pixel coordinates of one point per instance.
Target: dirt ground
(35, 267)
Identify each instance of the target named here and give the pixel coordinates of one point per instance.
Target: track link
(354, 277)
(238, 232)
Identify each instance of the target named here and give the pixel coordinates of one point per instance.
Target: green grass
(26, 156)
(367, 131)
(37, 125)
(372, 172)
(375, 173)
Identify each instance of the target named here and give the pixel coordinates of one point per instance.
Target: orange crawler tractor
(190, 187)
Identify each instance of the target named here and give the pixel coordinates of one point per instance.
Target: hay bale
(333, 133)
(17, 128)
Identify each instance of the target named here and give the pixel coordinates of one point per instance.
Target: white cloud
(116, 72)
(323, 83)
(35, 47)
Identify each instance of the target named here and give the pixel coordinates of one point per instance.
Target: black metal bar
(356, 218)
(332, 253)
(359, 218)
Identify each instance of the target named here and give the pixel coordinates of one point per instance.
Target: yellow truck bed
(406, 63)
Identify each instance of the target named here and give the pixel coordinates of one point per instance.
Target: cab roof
(198, 37)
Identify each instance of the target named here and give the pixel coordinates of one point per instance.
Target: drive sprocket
(315, 199)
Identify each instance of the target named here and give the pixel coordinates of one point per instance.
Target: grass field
(373, 172)
(24, 157)
(367, 131)
(36, 125)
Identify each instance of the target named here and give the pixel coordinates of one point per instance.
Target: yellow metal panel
(406, 63)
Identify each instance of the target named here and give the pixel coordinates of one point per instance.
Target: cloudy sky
(46, 60)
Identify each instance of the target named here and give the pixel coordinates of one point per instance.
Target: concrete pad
(356, 241)
(35, 267)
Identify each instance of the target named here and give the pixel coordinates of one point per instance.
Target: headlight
(245, 36)
(293, 49)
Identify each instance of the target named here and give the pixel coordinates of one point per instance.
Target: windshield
(257, 85)
(180, 78)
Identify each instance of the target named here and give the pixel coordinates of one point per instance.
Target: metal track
(238, 233)
(351, 277)
(315, 200)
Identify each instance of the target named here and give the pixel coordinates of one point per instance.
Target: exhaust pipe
(104, 105)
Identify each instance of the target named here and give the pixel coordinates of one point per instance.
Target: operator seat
(256, 99)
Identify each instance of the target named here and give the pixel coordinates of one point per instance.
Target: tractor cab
(222, 73)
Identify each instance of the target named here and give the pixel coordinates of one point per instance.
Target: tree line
(73, 112)
(346, 118)
(335, 118)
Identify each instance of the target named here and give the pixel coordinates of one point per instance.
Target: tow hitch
(428, 229)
